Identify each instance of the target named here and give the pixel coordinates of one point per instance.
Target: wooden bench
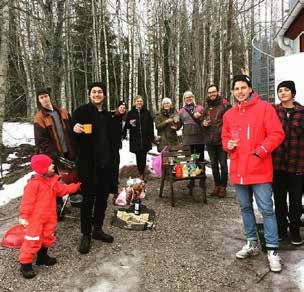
(167, 173)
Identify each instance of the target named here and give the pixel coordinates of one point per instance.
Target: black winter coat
(118, 122)
(86, 144)
(140, 124)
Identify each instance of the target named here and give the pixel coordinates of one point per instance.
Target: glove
(23, 222)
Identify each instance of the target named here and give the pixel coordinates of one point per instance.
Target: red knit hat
(40, 163)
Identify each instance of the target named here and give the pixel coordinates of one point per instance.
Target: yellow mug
(87, 128)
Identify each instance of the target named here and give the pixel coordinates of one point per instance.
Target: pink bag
(157, 162)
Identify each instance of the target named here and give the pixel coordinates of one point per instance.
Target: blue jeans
(263, 197)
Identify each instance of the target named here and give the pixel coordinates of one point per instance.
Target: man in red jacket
(251, 131)
(38, 213)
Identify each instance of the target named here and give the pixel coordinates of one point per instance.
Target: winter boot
(222, 192)
(215, 191)
(98, 234)
(295, 235)
(27, 271)
(44, 259)
(85, 244)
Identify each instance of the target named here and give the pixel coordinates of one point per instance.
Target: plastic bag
(14, 237)
(157, 162)
(121, 199)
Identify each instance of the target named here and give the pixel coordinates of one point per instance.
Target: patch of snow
(15, 134)
(14, 190)
(12, 156)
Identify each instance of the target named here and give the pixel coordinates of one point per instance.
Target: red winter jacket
(256, 125)
(39, 199)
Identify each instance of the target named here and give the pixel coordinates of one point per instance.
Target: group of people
(264, 143)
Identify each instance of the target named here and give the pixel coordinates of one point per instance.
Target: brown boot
(215, 191)
(222, 192)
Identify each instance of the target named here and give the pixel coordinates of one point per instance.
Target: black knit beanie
(121, 102)
(243, 78)
(97, 84)
(288, 84)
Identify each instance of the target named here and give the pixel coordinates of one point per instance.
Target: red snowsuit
(259, 133)
(38, 207)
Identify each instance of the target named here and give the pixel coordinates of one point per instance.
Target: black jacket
(140, 124)
(118, 122)
(96, 149)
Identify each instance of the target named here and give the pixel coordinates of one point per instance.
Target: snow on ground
(15, 134)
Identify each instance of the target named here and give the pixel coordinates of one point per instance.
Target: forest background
(152, 48)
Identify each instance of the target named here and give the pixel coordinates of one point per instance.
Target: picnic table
(167, 173)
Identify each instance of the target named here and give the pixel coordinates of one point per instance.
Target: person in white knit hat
(166, 121)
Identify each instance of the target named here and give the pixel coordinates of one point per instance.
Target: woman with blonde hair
(190, 116)
(139, 122)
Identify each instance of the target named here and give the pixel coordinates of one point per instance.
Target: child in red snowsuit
(38, 213)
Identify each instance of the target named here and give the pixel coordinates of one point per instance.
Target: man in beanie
(251, 131)
(118, 123)
(288, 164)
(38, 214)
(52, 130)
(94, 153)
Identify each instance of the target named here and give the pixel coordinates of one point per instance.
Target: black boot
(27, 271)
(44, 259)
(98, 234)
(85, 244)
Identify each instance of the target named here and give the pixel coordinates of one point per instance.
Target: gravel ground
(191, 248)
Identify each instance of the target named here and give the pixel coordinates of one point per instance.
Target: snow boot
(215, 191)
(44, 259)
(98, 234)
(85, 244)
(27, 271)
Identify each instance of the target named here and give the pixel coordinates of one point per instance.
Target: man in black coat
(93, 141)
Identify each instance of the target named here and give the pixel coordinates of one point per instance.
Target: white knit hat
(166, 100)
(188, 94)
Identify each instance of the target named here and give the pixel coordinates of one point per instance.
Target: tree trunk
(4, 48)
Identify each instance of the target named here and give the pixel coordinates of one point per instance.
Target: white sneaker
(274, 261)
(250, 249)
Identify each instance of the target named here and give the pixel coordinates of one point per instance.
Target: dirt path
(191, 248)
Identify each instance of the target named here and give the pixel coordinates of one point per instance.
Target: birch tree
(4, 51)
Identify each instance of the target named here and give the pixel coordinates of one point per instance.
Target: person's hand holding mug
(168, 121)
(206, 123)
(78, 128)
(197, 115)
(232, 144)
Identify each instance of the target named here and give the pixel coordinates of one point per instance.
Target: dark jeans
(218, 157)
(283, 183)
(95, 204)
(198, 149)
(116, 162)
(141, 157)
